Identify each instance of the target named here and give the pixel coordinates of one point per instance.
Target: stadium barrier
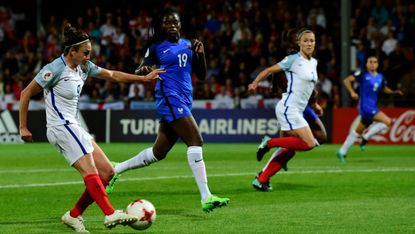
(141, 125)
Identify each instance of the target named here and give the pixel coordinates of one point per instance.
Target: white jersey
(301, 76)
(62, 87)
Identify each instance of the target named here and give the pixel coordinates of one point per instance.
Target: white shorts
(290, 118)
(70, 140)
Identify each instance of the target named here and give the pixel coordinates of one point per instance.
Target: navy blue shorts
(171, 108)
(367, 115)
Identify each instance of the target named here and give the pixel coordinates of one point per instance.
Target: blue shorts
(367, 115)
(309, 115)
(171, 108)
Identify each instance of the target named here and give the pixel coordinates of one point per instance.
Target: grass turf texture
(373, 192)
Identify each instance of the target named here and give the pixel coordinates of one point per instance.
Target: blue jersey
(370, 86)
(173, 92)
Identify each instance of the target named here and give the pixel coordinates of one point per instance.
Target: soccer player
(371, 84)
(62, 81)
(301, 71)
(313, 110)
(179, 57)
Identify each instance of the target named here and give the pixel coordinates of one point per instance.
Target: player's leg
(105, 171)
(276, 162)
(186, 128)
(86, 167)
(298, 132)
(319, 131)
(351, 139)
(77, 147)
(297, 139)
(166, 139)
(382, 122)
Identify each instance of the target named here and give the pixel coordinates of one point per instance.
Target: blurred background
(241, 38)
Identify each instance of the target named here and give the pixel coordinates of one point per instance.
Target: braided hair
(155, 28)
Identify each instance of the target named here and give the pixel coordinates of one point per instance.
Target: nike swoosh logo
(164, 51)
(196, 161)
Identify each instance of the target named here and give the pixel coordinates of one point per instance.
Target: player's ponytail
(72, 38)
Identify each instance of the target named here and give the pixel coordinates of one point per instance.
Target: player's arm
(199, 59)
(145, 65)
(32, 89)
(388, 90)
(312, 102)
(123, 77)
(264, 74)
(348, 81)
(143, 69)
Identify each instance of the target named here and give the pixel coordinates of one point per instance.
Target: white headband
(78, 43)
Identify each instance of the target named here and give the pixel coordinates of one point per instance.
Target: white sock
(196, 163)
(350, 140)
(142, 159)
(376, 128)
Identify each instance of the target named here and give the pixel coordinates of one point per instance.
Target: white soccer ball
(145, 213)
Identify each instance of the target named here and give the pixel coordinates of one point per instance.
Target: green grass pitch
(373, 192)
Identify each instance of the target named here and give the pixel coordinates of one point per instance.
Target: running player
(371, 84)
(301, 71)
(180, 57)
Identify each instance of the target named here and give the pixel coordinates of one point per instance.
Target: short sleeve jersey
(301, 76)
(62, 87)
(369, 88)
(176, 59)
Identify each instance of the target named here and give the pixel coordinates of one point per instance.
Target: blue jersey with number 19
(173, 92)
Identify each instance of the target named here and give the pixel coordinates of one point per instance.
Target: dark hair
(289, 40)
(72, 38)
(155, 27)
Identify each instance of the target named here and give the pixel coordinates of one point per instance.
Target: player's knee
(311, 143)
(160, 154)
(320, 136)
(107, 173)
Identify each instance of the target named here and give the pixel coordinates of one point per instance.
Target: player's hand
(318, 109)
(154, 74)
(355, 96)
(398, 92)
(144, 70)
(26, 135)
(252, 87)
(197, 46)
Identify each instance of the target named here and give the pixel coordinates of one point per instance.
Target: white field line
(330, 171)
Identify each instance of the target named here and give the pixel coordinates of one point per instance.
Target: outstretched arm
(387, 90)
(264, 74)
(119, 76)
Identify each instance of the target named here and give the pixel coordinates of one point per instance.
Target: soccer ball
(145, 213)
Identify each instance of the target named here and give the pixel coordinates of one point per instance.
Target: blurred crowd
(241, 38)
